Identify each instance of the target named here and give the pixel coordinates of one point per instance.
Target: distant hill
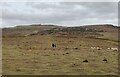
(104, 27)
(39, 29)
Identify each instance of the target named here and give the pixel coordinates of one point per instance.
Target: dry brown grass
(34, 55)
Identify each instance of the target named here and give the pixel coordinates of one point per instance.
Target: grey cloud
(70, 13)
(87, 9)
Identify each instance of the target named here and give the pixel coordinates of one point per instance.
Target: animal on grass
(85, 61)
(105, 60)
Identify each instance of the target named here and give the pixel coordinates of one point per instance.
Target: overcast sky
(60, 13)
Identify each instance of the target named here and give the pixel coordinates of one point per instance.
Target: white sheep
(98, 48)
(114, 49)
(108, 48)
(93, 47)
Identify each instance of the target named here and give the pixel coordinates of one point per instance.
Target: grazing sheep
(108, 48)
(76, 48)
(93, 47)
(114, 49)
(98, 48)
(67, 53)
(105, 60)
(85, 61)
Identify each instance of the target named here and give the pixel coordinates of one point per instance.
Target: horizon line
(37, 24)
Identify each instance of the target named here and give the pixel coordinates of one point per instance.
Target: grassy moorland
(86, 50)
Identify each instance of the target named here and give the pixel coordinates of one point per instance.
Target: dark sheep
(105, 60)
(85, 61)
(66, 48)
(67, 53)
(74, 64)
(76, 48)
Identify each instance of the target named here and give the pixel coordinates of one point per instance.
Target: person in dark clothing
(53, 45)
